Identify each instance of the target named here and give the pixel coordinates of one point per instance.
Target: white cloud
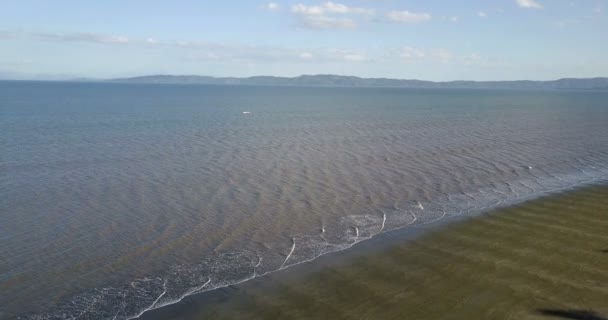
(471, 59)
(84, 37)
(343, 9)
(193, 51)
(240, 53)
(329, 8)
(327, 22)
(482, 14)
(411, 53)
(273, 6)
(415, 54)
(450, 18)
(307, 10)
(355, 57)
(328, 15)
(408, 17)
(529, 4)
(442, 55)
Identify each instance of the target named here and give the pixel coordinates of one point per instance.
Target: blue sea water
(120, 198)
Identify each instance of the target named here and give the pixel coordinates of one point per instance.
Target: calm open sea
(120, 198)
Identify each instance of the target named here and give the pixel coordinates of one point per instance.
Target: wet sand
(546, 258)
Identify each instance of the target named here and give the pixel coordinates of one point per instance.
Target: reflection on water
(116, 199)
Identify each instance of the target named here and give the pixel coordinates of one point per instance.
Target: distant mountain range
(350, 81)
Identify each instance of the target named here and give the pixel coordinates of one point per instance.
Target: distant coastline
(352, 81)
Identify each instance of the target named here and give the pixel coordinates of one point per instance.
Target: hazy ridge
(352, 81)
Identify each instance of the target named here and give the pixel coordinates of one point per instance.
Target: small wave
(293, 248)
(419, 205)
(133, 299)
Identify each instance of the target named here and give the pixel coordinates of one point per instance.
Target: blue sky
(431, 40)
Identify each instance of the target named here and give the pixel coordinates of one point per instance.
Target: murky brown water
(116, 199)
(544, 259)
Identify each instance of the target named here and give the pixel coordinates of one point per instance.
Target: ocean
(116, 199)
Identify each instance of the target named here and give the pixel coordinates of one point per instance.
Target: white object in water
(419, 205)
(529, 167)
(246, 112)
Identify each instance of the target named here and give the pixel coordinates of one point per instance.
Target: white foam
(363, 226)
(153, 305)
(419, 205)
(364, 220)
(293, 248)
(255, 268)
(415, 218)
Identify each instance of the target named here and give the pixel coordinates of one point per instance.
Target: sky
(437, 40)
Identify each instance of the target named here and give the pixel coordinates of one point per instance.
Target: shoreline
(199, 295)
(192, 304)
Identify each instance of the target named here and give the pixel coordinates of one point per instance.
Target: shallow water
(116, 199)
(544, 259)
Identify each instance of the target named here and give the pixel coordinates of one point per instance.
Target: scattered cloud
(482, 14)
(84, 37)
(407, 17)
(329, 8)
(473, 58)
(355, 57)
(415, 54)
(442, 55)
(532, 4)
(272, 6)
(240, 53)
(411, 53)
(329, 15)
(198, 51)
(327, 22)
(450, 18)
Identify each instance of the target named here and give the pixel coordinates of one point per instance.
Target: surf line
(293, 247)
(152, 306)
(156, 305)
(255, 268)
(196, 289)
(383, 221)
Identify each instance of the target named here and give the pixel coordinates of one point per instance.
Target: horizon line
(94, 79)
